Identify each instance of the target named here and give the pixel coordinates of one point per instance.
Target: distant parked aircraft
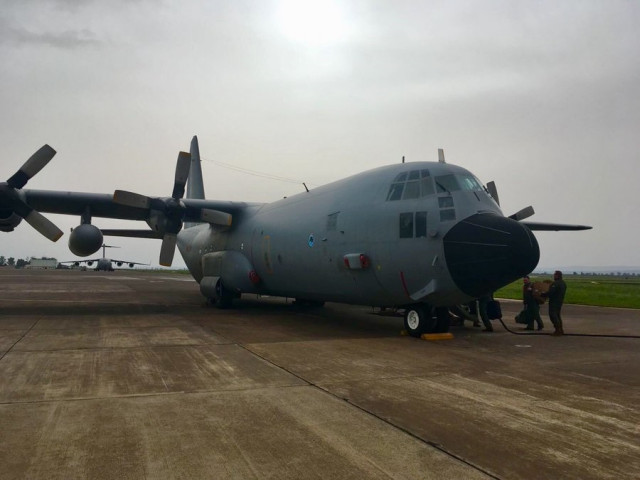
(104, 264)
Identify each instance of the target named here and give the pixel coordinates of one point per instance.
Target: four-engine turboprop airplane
(104, 264)
(419, 236)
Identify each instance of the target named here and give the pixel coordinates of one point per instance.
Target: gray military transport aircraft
(419, 237)
(104, 264)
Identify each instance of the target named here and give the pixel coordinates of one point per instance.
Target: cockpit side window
(467, 182)
(406, 225)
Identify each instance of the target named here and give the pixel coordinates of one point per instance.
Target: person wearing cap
(531, 306)
(555, 295)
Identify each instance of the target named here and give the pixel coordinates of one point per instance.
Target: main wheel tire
(224, 298)
(418, 319)
(443, 320)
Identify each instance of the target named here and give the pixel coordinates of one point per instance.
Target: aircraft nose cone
(485, 252)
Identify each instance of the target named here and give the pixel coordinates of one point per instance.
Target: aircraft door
(406, 257)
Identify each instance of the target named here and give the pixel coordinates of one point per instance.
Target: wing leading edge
(554, 227)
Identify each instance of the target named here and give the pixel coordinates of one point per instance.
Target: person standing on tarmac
(556, 298)
(531, 306)
(484, 315)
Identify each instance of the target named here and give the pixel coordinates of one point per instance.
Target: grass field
(605, 291)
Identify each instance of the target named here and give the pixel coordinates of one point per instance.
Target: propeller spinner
(11, 200)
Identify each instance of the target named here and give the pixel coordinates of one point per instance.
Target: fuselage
(104, 264)
(392, 236)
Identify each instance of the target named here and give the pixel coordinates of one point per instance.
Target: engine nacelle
(233, 268)
(131, 265)
(119, 264)
(8, 220)
(85, 240)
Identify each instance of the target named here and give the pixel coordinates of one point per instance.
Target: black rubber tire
(443, 319)
(418, 319)
(224, 298)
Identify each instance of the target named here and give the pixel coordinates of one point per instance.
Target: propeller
(166, 215)
(527, 212)
(493, 191)
(520, 215)
(10, 198)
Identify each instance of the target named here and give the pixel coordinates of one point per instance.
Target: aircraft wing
(553, 227)
(76, 203)
(132, 233)
(127, 262)
(81, 261)
(164, 215)
(103, 205)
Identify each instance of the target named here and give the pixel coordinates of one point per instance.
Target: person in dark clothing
(484, 315)
(531, 306)
(556, 294)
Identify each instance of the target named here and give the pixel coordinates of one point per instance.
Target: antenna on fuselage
(305, 187)
(402, 158)
(441, 155)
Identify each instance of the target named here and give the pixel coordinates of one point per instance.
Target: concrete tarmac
(130, 375)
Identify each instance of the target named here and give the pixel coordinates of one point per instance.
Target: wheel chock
(437, 336)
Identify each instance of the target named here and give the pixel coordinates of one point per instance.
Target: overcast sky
(542, 97)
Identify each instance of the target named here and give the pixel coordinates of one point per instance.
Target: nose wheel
(423, 318)
(419, 319)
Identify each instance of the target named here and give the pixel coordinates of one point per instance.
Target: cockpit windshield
(454, 182)
(411, 185)
(419, 184)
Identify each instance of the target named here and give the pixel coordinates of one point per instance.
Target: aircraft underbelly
(314, 272)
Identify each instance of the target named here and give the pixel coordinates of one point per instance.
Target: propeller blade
(131, 199)
(522, 214)
(493, 191)
(216, 217)
(43, 225)
(183, 166)
(167, 249)
(31, 167)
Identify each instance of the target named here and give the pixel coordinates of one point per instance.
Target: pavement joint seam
(432, 444)
(133, 347)
(17, 341)
(152, 394)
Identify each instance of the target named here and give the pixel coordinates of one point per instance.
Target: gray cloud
(542, 97)
(66, 40)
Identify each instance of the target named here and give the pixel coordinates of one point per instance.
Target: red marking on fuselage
(404, 284)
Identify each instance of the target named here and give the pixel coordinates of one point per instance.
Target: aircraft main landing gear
(224, 297)
(422, 318)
